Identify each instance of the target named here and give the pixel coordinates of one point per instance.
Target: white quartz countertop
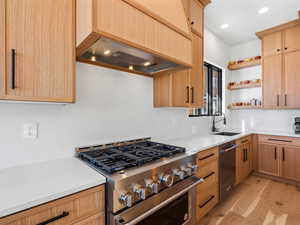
(31, 185)
(197, 143)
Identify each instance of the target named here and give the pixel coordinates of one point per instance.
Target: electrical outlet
(30, 131)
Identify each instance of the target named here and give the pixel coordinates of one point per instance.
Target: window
(212, 99)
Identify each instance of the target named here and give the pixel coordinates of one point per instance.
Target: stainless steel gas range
(148, 183)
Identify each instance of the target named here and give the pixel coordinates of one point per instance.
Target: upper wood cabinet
(272, 44)
(37, 57)
(184, 88)
(292, 39)
(272, 82)
(196, 17)
(281, 52)
(134, 32)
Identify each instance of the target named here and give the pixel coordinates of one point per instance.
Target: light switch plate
(30, 131)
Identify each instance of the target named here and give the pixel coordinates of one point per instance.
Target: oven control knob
(194, 168)
(178, 173)
(152, 186)
(167, 180)
(187, 170)
(126, 199)
(140, 191)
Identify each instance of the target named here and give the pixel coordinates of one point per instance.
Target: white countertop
(31, 185)
(199, 143)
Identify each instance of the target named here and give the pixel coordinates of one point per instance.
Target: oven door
(173, 206)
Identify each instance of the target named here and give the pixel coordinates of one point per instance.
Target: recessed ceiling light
(130, 67)
(147, 63)
(263, 10)
(107, 52)
(93, 58)
(224, 26)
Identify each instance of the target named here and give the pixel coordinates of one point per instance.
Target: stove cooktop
(114, 159)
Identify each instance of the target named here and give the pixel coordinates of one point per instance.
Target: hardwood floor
(258, 201)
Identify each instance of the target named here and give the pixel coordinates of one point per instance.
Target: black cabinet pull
(275, 153)
(64, 214)
(283, 154)
(206, 157)
(192, 22)
(272, 139)
(187, 94)
(244, 155)
(193, 95)
(277, 100)
(245, 141)
(209, 175)
(278, 50)
(285, 48)
(285, 100)
(13, 68)
(205, 203)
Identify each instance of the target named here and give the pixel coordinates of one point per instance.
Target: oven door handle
(229, 149)
(163, 204)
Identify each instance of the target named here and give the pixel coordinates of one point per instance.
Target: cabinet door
(292, 79)
(196, 78)
(272, 44)
(40, 50)
(269, 159)
(248, 160)
(181, 89)
(290, 163)
(272, 78)
(239, 164)
(197, 17)
(292, 39)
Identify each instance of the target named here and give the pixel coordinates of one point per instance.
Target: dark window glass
(212, 92)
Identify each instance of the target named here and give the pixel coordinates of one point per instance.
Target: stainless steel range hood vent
(111, 53)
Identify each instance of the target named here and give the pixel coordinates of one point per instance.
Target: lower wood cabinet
(208, 191)
(279, 156)
(84, 208)
(243, 159)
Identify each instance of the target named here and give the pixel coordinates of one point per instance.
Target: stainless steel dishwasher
(227, 169)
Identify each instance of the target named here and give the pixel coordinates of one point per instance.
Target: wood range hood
(144, 37)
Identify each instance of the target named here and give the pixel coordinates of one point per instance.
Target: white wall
(274, 120)
(110, 106)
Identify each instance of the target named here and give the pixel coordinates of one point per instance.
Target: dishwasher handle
(228, 149)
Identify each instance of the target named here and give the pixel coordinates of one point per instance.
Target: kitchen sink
(227, 133)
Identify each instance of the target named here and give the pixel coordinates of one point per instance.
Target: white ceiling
(243, 18)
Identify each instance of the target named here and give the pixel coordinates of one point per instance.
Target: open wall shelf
(244, 86)
(245, 64)
(244, 107)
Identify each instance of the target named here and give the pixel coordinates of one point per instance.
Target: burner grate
(114, 159)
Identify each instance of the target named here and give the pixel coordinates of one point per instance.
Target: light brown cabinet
(208, 191)
(281, 51)
(84, 208)
(196, 17)
(279, 156)
(269, 159)
(272, 83)
(243, 159)
(37, 46)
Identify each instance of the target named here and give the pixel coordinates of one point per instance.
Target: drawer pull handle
(205, 203)
(64, 214)
(245, 141)
(206, 157)
(207, 176)
(272, 139)
(283, 154)
(13, 68)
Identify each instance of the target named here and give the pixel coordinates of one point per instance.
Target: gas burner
(118, 157)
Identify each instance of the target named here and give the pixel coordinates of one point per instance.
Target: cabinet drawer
(97, 219)
(207, 156)
(244, 140)
(279, 140)
(209, 173)
(66, 210)
(206, 200)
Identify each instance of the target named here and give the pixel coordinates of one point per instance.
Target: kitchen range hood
(137, 36)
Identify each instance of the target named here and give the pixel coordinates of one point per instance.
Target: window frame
(210, 69)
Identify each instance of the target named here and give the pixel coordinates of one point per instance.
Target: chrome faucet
(214, 129)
